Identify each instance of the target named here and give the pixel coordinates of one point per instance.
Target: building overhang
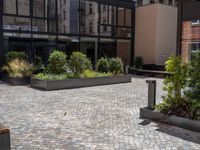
(119, 3)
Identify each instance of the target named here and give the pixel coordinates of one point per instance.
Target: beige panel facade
(156, 33)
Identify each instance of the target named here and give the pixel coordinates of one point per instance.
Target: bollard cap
(150, 81)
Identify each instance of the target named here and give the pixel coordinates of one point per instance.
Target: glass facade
(98, 28)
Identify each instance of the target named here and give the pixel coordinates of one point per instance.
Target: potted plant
(17, 72)
(77, 72)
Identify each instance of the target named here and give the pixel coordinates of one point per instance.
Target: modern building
(40, 26)
(109, 28)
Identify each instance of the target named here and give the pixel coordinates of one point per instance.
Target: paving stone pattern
(100, 118)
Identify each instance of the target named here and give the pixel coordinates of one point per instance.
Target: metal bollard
(151, 93)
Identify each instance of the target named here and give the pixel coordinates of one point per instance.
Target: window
(90, 27)
(194, 47)
(90, 8)
(64, 15)
(23, 8)
(8, 8)
(104, 27)
(195, 22)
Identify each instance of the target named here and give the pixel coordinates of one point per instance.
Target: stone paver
(100, 118)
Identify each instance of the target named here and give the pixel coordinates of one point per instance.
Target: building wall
(156, 33)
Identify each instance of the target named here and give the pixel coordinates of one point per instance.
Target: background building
(156, 33)
(189, 29)
(40, 26)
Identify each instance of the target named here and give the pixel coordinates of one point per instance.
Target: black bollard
(151, 93)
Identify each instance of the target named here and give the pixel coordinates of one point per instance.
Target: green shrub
(103, 65)
(57, 62)
(11, 55)
(116, 66)
(138, 62)
(194, 82)
(93, 74)
(49, 76)
(173, 85)
(38, 63)
(79, 62)
(18, 68)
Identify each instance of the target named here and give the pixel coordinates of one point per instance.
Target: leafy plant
(92, 74)
(57, 62)
(38, 63)
(103, 65)
(194, 82)
(116, 66)
(173, 85)
(79, 62)
(11, 55)
(138, 62)
(18, 68)
(49, 76)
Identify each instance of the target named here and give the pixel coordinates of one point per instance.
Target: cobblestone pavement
(101, 118)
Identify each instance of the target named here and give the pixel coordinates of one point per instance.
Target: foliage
(138, 62)
(79, 62)
(11, 55)
(38, 63)
(194, 82)
(173, 85)
(57, 62)
(92, 74)
(103, 65)
(18, 68)
(49, 76)
(116, 66)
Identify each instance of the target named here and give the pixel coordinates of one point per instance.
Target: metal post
(151, 93)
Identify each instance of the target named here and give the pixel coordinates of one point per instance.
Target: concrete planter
(16, 80)
(172, 120)
(78, 83)
(4, 138)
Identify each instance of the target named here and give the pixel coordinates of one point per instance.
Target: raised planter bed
(16, 80)
(4, 138)
(172, 120)
(77, 83)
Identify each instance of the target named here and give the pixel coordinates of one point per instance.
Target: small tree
(194, 82)
(79, 62)
(57, 62)
(173, 84)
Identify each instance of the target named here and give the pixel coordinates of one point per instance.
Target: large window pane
(16, 23)
(9, 6)
(39, 25)
(23, 7)
(39, 8)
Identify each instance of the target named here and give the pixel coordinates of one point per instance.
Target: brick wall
(190, 33)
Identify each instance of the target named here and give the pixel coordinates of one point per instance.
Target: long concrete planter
(4, 138)
(172, 120)
(77, 83)
(16, 80)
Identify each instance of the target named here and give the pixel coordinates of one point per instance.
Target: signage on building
(20, 28)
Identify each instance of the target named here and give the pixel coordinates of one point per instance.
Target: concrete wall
(156, 33)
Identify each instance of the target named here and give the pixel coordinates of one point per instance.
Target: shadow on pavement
(184, 134)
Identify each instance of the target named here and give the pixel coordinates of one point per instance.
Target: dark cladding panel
(191, 10)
